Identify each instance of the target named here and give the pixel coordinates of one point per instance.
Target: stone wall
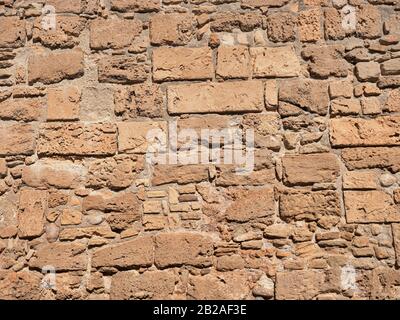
(83, 215)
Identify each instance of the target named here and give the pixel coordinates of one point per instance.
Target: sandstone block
(182, 174)
(70, 217)
(262, 3)
(365, 132)
(325, 61)
(392, 102)
(307, 94)
(345, 107)
(106, 33)
(310, 205)
(62, 256)
(33, 206)
(107, 201)
(360, 180)
(229, 20)
(224, 97)
(309, 25)
(233, 62)
(156, 285)
(143, 100)
(278, 62)
(122, 70)
(251, 205)
(396, 241)
(368, 71)
(12, 32)
(175, 249)
(60, 65)
(138, 137)
(53, 173)
(65, 35)
(370, 206)
(340, 89)
(229, 285)
(114, 173)
(369, 24)
(333, 24)
(24, 285)
(134, 253)
(17, 139)
(369, 158)
(281, 26)
(391, 67)
(182, 64)
(310, 168)
(299, 284)
(77, 139)
(22, 109)
(171, 29)
(135, 5)
(72, 6)
(63, 103)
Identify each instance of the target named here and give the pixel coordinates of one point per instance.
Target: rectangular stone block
(77, 139)
(171, 28)
(63, 103)
(310, 168)
(227, 97)
(396, 241)
(17, 138)
(136, 137)
(252, 204)
(299, 284)
(154, 284)
(22, 109)
(278, 62)
(12, 32)
(368, 158)
(62, 256)
(55, 66)
(360, 180)
(176, 249)
(381, 131)
(33, 206)
(53, 173)
(182, 174)
(370, 207)
(135, 5)
(134, 253)
(182, 64)
(122, 70)
(233, 62)
(309, 205)
(106, 33)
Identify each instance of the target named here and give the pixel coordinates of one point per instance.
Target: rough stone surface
(155, 285)
(365, 132)
(135, 253)
(275, 62)
(60, 65)
(175, 249)
(200, 149)
(77, 139)
(182, 64)
(310, 168)
(62, 256)
(216, 97)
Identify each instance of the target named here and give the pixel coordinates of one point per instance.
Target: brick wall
(83, 215)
